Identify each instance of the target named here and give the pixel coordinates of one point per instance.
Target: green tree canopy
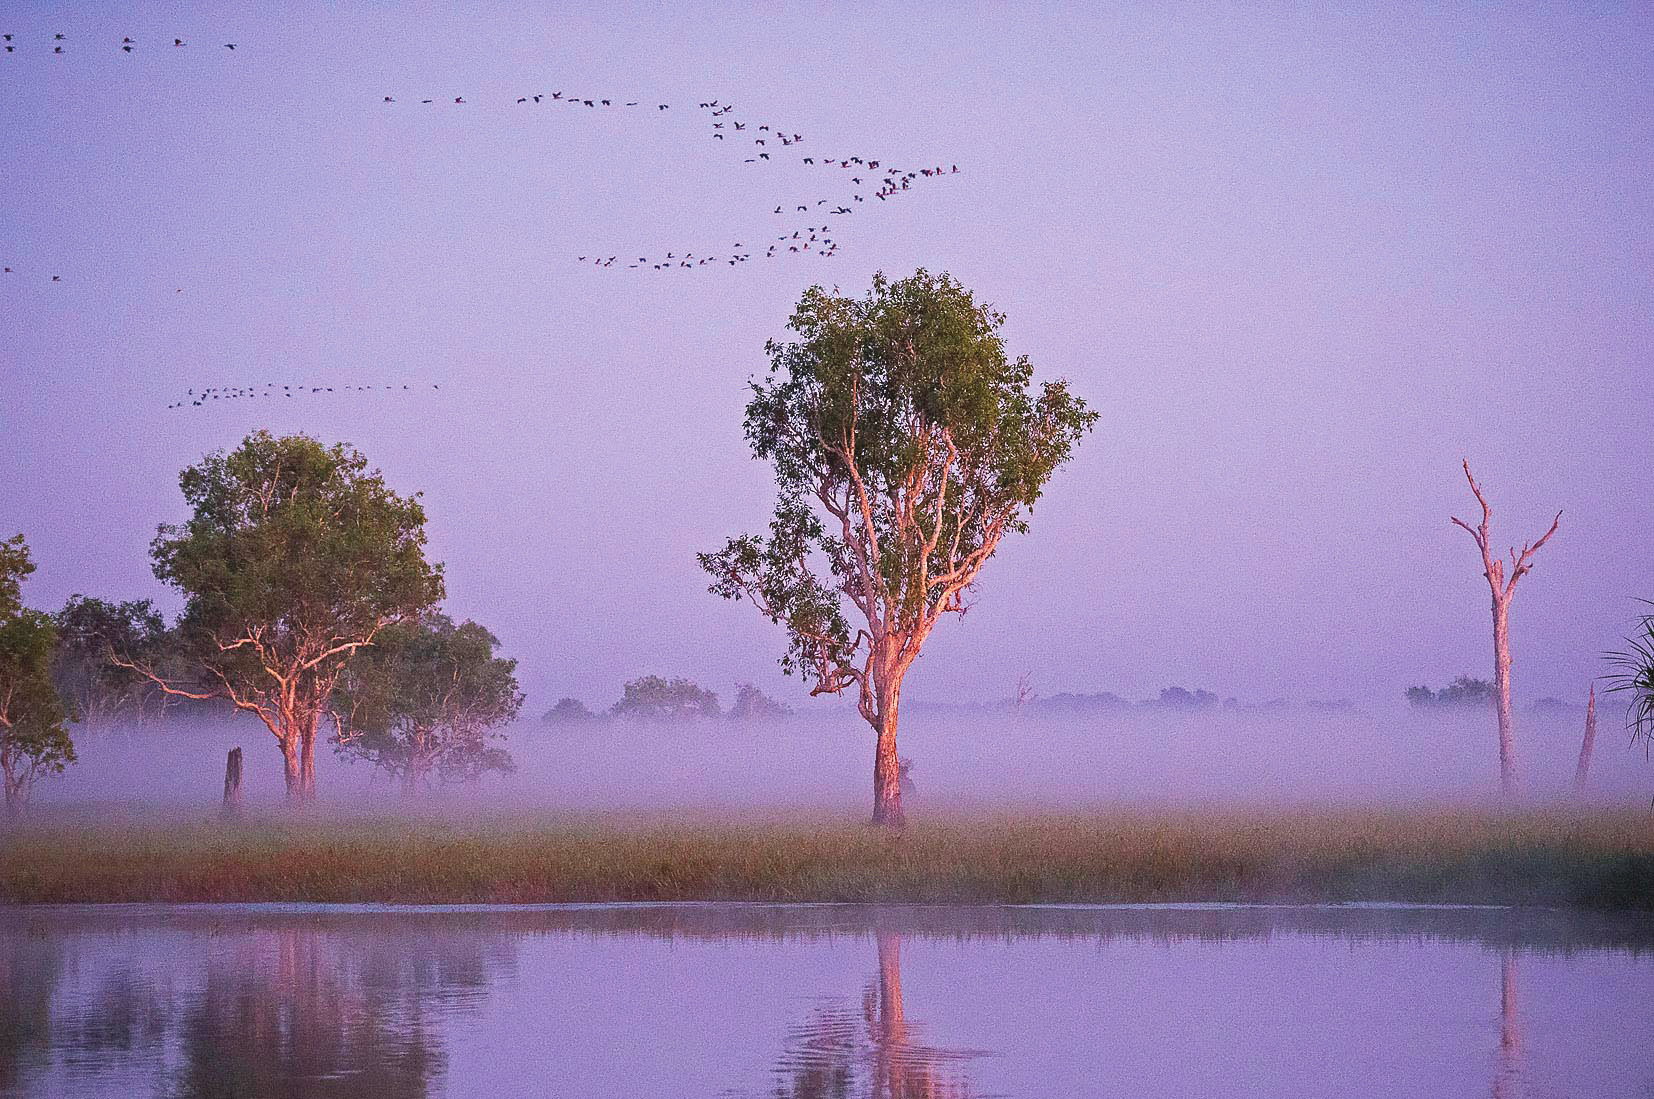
(90, 632)
(426, 700)
(296, 556)
(654, 697)
(33, 739)
(906, 444)
(751, 704)
(568, 710)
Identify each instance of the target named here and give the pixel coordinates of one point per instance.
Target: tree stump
(232, 783)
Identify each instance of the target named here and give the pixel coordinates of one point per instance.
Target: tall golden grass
(1461, 856)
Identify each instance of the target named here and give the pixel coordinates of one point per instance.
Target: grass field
(1598, 860)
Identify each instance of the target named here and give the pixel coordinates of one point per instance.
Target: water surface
(822, 1000)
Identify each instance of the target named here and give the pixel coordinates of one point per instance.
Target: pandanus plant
(1635, 677)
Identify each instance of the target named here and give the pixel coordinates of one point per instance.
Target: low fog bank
(822, 760)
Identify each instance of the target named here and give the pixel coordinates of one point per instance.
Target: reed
(1460, 856)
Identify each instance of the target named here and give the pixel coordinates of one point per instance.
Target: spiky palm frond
(1635, 676)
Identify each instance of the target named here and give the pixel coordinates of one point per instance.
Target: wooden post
(1583, 771)
(232, 782)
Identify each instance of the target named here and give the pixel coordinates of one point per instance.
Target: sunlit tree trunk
(887, 775)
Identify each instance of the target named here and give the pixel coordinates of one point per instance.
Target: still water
(819, 1001)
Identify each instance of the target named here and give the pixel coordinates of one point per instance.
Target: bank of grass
(1587, 859)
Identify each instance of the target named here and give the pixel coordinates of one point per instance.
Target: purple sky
(1301, 263)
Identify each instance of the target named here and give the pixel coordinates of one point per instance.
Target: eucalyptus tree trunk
(307, 762)
(1583, 771)
(291, 771)
(887, 774)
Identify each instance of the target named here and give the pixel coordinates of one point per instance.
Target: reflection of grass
(1455, 856)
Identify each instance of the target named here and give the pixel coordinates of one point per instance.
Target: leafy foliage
(33, 739)
(90, 632)
(751, 704)
(568, 710)
(425, 700)
(1635, 678)
(295, 556)
(655, 698)
(905, 445)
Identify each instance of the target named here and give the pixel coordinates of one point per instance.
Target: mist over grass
(820, 759)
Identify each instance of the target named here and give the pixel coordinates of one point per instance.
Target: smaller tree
(90, 632)
(654, 698)
(33, 740)
(751, 704)
(568, 710)
(425, 701)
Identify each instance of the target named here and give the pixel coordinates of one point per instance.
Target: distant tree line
(657, 698)
(1465, 692)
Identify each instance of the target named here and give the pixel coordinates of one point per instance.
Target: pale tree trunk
(1583, 771)
(1501, 695)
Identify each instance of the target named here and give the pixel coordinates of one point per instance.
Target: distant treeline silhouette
(656, 698)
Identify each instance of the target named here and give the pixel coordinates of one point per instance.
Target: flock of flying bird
(58, 42)
(128, 44)
(867, 177)
(271, 389)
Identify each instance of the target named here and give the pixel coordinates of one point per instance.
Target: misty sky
(1301, 262)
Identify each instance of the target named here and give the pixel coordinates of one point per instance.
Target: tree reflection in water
(1507, 1076)
(839, 1053)
(274, 1011)
(29, 966)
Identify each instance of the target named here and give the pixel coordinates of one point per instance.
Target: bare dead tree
(1502, 588)
(1025, 690)
(1583, 771)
